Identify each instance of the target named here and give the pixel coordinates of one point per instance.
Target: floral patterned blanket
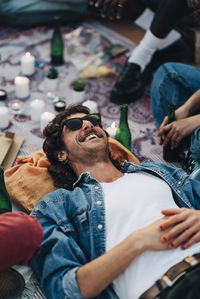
(15, 42)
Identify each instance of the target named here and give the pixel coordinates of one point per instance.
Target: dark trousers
(187, 287)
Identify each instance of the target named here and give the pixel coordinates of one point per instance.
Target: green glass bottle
(170, 155)
(123, 134)
(5, 204)
(57, 45)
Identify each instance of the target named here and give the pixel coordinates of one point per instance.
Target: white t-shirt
(132, 202)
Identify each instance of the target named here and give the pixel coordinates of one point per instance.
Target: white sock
(144, 21)
(143, 53)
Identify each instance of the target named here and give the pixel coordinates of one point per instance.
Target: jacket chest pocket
(80, 222)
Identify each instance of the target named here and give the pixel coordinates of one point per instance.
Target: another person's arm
(95, 276)
(20, 238)
(185, 124)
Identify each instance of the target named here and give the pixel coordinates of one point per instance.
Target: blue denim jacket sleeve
(60, 256)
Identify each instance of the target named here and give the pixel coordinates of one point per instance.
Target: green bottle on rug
(123, 134)
(5, 204)
(57, 45)
(170, 155)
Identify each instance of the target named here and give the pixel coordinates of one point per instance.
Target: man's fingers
(175, 217)
(99, 3)
(171, 212)
(191, 241)
(120, 8)
(189, 235)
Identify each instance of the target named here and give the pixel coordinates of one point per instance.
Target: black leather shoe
(129, 86)
(131, 82)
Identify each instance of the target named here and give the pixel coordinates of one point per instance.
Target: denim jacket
(74, 227)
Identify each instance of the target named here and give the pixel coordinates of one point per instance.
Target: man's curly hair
(62, 174)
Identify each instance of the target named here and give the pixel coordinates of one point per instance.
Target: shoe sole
(11, 283)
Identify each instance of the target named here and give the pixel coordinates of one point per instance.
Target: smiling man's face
(85, 143)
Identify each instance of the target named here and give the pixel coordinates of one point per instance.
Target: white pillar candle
(36, 109)
(21, 87)
(112, 130)
(4, 117)
(28, 64)
(45, 118)
(91, 105)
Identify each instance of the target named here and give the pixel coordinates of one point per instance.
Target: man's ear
(62, 155)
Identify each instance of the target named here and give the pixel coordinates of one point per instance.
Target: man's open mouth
(89, 137)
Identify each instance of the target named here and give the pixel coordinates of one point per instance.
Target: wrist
(140, 241)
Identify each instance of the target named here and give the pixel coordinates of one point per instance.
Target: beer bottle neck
(123, 113)
(171, 113)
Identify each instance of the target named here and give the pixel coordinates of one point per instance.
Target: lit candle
(112, 130)
(59, 105)
(21, 87)
(3, 94)
(4, 118)
(36, 109)
(45, 118)
(91, 105)
(28, 64)
(16, 107)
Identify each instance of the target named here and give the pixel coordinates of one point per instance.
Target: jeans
(174, 83)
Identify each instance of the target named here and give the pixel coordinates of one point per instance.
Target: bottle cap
(3, 94)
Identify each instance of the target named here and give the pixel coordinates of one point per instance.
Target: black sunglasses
(76, 123)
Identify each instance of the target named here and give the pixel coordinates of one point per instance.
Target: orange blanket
(29, 180)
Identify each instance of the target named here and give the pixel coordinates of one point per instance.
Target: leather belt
(171, 276)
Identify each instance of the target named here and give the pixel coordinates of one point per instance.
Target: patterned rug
(14, 43)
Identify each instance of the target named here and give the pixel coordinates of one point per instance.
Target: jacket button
(98, 202)
(179, 191)
(96, 187)
(100, 226)
(179, 183)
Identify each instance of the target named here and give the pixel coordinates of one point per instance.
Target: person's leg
(161, 26)
(130, 84)
(172, 83)
(195, 146)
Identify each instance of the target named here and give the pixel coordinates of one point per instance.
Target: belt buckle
(170, 282)
(190, 260)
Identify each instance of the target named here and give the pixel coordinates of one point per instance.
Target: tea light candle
(3, 94)
(21, 87)
(45, 118)
(28, 64)
(59, 105)
(36, 109)
(91, 105)
(4, 117)
(112, 130)
(16, 106)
